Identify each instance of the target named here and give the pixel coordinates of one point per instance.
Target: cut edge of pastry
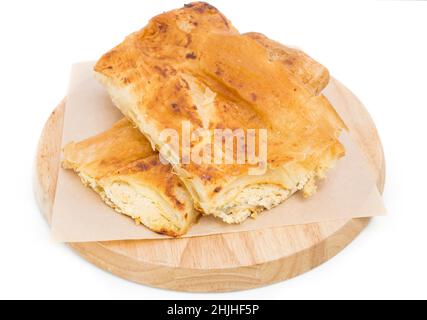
(127, 198)
(249, 196)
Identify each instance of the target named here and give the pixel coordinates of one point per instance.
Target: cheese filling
(132, 201)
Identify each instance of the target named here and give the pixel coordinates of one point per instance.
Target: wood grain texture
(216, 263)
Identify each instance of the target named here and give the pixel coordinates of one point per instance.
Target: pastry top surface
(191, 64)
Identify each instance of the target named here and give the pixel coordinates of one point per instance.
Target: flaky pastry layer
(192, 65)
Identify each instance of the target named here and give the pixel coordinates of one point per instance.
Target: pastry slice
(192, 67)
(122, 168)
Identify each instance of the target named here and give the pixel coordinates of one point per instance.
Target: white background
(378, 49)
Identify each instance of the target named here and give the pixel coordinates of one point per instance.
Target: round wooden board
(225, 262)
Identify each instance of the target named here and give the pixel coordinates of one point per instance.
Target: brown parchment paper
(79, 215)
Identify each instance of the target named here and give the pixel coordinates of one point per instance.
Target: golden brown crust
(109, 151)
(312, 74)
(153, 64)
(192, 65)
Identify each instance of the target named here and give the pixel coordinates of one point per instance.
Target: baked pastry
(123, 169)
(312, 74)
(192, 66)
